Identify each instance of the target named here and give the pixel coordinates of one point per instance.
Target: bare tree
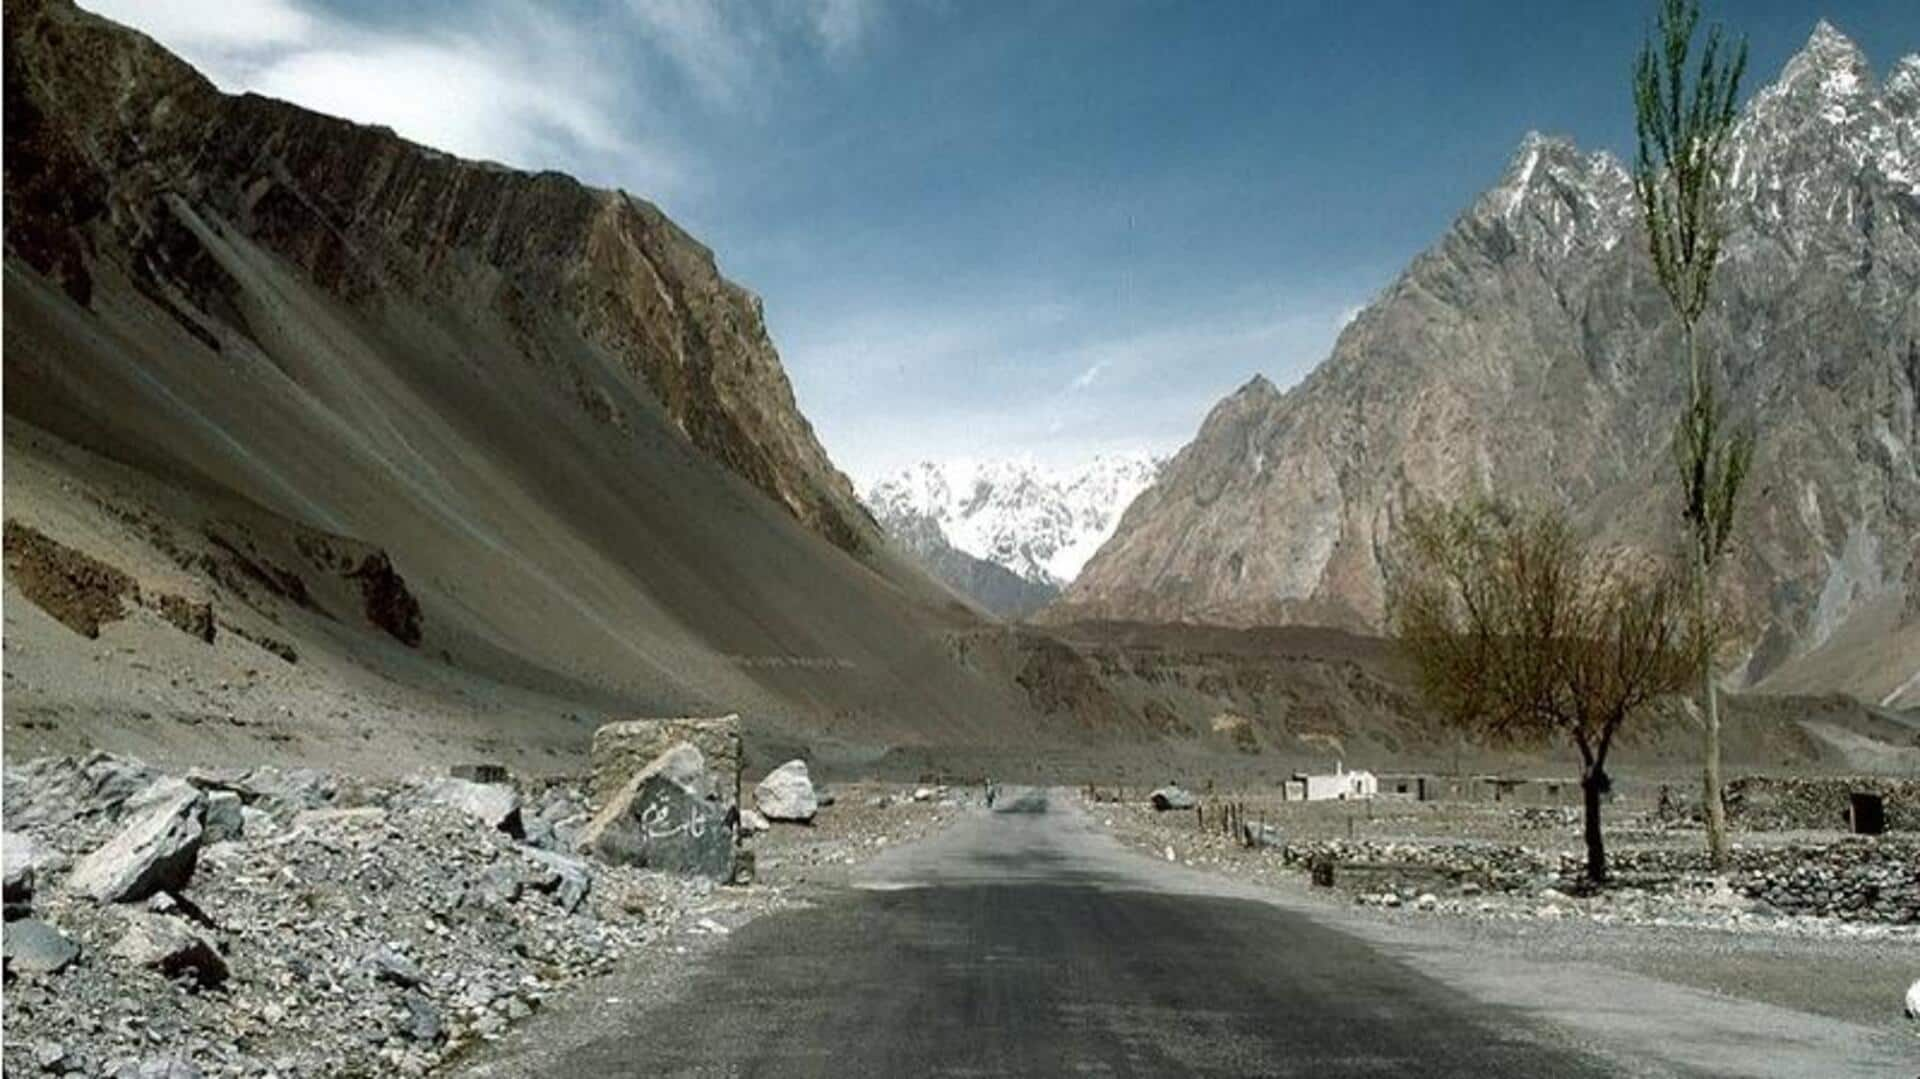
(1679, 175)
(1522, 634)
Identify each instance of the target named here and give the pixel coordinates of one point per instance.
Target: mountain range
(1008, 534)
(1529, 353)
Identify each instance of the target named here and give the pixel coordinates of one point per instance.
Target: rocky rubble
(1848, 886)
(304, 923)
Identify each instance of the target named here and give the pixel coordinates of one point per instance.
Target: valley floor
(1029, 941)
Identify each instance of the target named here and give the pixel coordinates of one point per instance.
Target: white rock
(494, 804)
(751, 822)
(787, 793)
(1913, 1000)
(155, 852)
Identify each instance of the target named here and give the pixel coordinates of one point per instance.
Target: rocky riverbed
(294, 923)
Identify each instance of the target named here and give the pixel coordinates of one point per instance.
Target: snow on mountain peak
(1041, 522)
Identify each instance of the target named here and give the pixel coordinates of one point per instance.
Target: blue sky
(1052, 228)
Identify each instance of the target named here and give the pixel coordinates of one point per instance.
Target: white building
(1341, 786)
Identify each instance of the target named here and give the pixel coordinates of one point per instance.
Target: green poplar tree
(1684, 115)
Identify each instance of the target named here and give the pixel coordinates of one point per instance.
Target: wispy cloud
(523, 85)
(1086, 378)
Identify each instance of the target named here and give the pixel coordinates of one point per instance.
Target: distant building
(1425, 787)
(1341, 785)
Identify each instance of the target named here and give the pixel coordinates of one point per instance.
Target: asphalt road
(1016, 944)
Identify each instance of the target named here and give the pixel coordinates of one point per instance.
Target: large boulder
(1171, 796)
(156, 851)
(657, 823)
(23, 861)
(30, 946)
(170, 947)
(787, 793)
(495, 805)
(622, 750)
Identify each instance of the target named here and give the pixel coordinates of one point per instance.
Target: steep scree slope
(563, 440)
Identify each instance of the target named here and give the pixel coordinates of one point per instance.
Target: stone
(1261, 836)
(22, 860)
(623, 749)
(683, 763)
(391, 967)
(50, 1056)
(498, 886)
(752, 823)
(495, 805)
(34, 947)
(1913, 1000)
(156, 850)
(923, 794)
(224, 819)
(170, 947)
(787, 794)
(656, 823)
(1172, 796)
(743, 869)
(423, 1021)
(568, 879)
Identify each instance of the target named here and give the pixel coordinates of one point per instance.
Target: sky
(1040, 229)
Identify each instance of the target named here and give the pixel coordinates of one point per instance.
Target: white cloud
(841, 26)
(518, 87)
(1086, 378)
(197, 25)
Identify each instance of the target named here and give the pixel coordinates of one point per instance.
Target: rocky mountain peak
(1529, 353)
(1829, 63)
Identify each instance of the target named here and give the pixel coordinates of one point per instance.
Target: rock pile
(296, 923)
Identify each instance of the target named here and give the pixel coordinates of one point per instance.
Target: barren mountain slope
(1529, 353)
(242, 339)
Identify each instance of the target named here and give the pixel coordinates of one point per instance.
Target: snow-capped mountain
(1040, 522)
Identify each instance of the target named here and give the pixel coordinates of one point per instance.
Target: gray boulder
(31, 946)
(752, 823)
(155, 851)
(495, 805)
(389, 966)
(498, 886)
(423, 1022)
(23, 861)
(787, 794)
(565, 878)
(170, 947)
(657, 823)
(1261, 836)
(224, 819)
(1171, 796)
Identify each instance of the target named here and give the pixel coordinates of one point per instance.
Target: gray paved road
(1015, 945)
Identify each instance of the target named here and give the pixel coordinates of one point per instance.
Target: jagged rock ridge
(1530, 353)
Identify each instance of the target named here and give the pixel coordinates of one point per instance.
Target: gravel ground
(1707, 939)
(332, 925)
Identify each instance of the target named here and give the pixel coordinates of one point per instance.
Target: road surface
(1023, 942)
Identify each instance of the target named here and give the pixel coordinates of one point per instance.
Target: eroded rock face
(1529, 354)
(365, 213)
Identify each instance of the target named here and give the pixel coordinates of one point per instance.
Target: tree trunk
(1593, 783)
(1711, 801)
